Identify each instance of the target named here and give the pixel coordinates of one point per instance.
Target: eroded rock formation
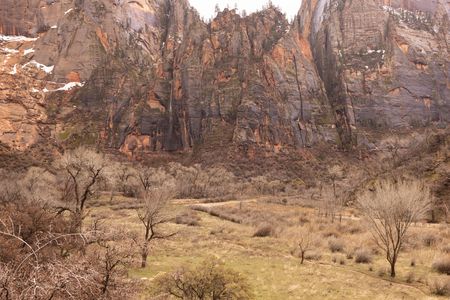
(151, 76)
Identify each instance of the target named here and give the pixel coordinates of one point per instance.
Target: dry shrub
(335, 245)
(210, 280)
(331, 232)
(411, 277)
(446, 249)
(189, 218)
(440, 286)
(363, 256)
(265, 230)
(430, 239)
(313, 255)
(442, 264)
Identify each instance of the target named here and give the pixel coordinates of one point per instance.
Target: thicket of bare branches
(81, 174)
(391, 208)
(156, 189)
(210, 280)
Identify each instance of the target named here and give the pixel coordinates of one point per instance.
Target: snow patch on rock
(46, 69)
(16, 38)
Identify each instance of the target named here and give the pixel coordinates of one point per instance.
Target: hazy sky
(206, 7)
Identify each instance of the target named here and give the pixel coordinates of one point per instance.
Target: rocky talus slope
(150, 77)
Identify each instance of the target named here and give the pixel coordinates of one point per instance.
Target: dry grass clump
(313, 255)
(363, 256)
(440, 286)
(430, 239)
(189, 218)
(442, 265)
(411, 277)
(336, 245)
(265, 230)
(218, 212)
(446, 249)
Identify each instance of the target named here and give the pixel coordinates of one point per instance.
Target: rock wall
(150, 76)
(383, 67)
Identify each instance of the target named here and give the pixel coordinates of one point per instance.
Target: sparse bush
(210, 280)
(189, 218)
(342, 261)
(391, 207)
(363, 256)
(336, 245)
(331, 232)
(313, 255)
(411, 277)
(430, 239)
(439, 286)
(264, 230)
(442, 265)
(446, 249)
(413, 262)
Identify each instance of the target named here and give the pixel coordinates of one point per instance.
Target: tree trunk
(303, 258)
(144, 259)
(392, 269)
(144, 255)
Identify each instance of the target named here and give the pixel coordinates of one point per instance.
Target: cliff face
(384, 67)
(151, 76)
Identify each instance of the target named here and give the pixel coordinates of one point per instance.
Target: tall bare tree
(81, 173)
(152, 211)
(391, 208)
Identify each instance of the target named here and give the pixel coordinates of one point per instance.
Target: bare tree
(335, 173)
(391, 208)
(152, 213)
(81, 173)
(304, 242)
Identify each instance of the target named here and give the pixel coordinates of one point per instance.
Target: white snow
(66, 87)
(10, 51)
(14, 71)
(28, 51)
(16, 38)
(70, 86)
(46, 69)
(68, 11)
(54, 27)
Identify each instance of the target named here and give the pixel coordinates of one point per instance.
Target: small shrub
(440, 286)
(334, 259)
(313, 255)
(335, 245)
(211, 280)
(264, 230)
(342, 261)
(331, 233)
(411, 277)
(189, 218)
(363, 256)
(370, 268)
(349, 255)
(446, 249)
(381, 273)
(442, 265)
(413, 262)
(429, 239)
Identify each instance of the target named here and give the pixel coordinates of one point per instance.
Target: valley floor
(273, 271)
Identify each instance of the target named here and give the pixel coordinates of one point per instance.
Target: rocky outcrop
(384, 67)
(149, 76)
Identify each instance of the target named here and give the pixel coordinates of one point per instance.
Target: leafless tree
(152, 211)
(81, 173)
(391, 208)
(304, 242)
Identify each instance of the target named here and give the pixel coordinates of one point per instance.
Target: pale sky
(206, 7)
